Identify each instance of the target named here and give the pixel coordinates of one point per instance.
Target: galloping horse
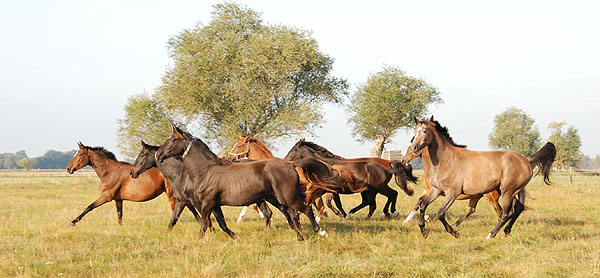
(491, 197)
(369, 175)
(453, 170)
(218, 182)
(116, 183)
(179, 180)
(254, 149)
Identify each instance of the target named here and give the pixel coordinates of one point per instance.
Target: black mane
(444, 132)
(104, 151)
(318, 149)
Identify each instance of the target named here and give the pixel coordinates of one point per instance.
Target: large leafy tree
(515, 130)
(145, 119)
(244, 77)
(387, 102)
(568, 144)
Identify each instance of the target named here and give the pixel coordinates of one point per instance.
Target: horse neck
(173, 170)
(102, 165)
(257, 153)
(437, 153)
(197, 160)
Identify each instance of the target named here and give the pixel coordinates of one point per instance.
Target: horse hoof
(489, 236)
(323, 233)
(235, 237)
(425, 233)
(427, 218)
(300, 238)
(348, 216)
(456, 234)
(395, 214)
(239, 220)
(325, 214)
(72, 224)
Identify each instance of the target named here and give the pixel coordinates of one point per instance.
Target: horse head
(424, 135)
(175, 145)
(144, 161)
(80, 160)
(240, 150)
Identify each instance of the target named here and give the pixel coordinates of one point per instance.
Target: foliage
(27, 163)
(386, 102)
(244, 77)
(8, 161)
(568, 144)
(54, 159)
(515, 130)
(145, 119)
(558, 237)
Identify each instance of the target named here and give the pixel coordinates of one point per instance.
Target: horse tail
(543, 159)
(521, 196)
(322, 175)
(402, 173)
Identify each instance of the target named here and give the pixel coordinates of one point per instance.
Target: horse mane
(318, 149)
(260, 144)
(103, 151)
(444, 132)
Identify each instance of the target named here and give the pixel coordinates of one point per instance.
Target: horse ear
(431, 118)
(143, 143)
(417, 122)
(173, 127)
(246, 139)
(81, 146)
(241, 137)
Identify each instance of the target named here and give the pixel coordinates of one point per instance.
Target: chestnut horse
(368, 175)
(453, 170)
(116, 183)
(254, 149)
(491, 197)
(218, 182)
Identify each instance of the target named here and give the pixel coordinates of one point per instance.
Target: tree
(9, 161)
(241, 76)
(568, 144)
(146, 120)
(515, 130)
(54, 159)
(26, 163)
(387, 102)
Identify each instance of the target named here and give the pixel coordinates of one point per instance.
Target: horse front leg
(422, 204)
(119, 205)
(221, 220)
(103, 199)
(177, 209)
(266, 211)
(448, 201)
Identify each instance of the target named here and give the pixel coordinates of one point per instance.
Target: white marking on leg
(395, 214)
(427, 218)
(409, 217)
(348, 215)
(242, 214)
(261, 214)
(489, 236)
(323, 233)
(318, 219)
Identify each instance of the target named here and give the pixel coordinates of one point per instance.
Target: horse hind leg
(507, 200)
(311, 217)
(517, 209)
(364, 203)
(336, 198)
(470, 210)
(177, 209)
(296, 222)
(266, 211)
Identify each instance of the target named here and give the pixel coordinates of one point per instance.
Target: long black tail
(403, 174)
(319, 174)
(543, 159)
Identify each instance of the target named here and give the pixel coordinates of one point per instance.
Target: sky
(68, 67)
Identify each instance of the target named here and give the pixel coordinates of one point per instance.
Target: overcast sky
(68, 67)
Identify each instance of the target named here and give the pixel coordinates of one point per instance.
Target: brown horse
(491, 197)
(370, 176)
(453, 170)
(116, 182)
(218, 182)
(252, 148)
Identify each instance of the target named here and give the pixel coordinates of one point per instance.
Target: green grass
(558, 237)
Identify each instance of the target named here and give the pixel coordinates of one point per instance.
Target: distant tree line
(50, 160)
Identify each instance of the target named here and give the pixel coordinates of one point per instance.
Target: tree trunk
(378, 148)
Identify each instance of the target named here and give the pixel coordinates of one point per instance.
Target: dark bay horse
(252, 148)
(372, 176)
(453, 170)
(491, 197)
(219, 182)
(179, 180)
(116, 183)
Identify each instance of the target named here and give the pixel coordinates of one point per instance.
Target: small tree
(568, 144)
(387, 102)
(515, 130)
(26, 163)
(146, 120)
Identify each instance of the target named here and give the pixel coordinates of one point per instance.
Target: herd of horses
(193, 177)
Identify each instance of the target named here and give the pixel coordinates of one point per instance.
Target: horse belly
(242, 194)
(141, 190)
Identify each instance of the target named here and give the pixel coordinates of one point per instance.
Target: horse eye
(425, 131)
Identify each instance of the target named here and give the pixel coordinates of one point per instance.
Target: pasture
(559, 236)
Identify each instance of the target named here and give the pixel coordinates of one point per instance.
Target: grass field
(558, 237)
